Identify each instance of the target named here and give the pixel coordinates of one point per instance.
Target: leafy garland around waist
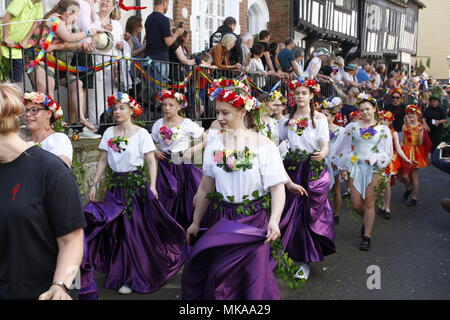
(297, 156)
(286, 268)
(131, 183)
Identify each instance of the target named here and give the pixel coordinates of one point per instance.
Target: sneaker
(411, 203)
(387, 215)
(125, 289)
(303, 272)
(88, 134)
(406, 195)
(336, 219)
(365, 244)
(381, 212)
(363, 231)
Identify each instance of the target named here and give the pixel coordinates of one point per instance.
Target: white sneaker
(303, 272)
(88, 134)
(125, 289)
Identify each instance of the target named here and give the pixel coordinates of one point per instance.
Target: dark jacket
(236, 55)
(438, 163)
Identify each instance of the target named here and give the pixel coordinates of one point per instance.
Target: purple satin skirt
(142, 252)
(230, 261)
(307, 224)
(176, 185)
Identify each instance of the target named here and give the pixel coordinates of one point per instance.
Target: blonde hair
(228, 39)
(11, 107)
(116, 13)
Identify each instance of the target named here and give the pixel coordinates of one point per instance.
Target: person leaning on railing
(221, 52)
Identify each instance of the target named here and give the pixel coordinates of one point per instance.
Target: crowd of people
(270, 162)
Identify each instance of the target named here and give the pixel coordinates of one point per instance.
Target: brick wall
(178, 6)
(243, 16)
(280, 24)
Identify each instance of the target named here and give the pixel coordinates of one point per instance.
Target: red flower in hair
(112, 101)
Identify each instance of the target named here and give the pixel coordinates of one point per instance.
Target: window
(207, 16)
(346, 4)
(410, 20)
(374, 17)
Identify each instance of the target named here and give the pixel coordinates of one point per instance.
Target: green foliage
(5, 67)
(59, 125)
(78, 171)
(298, 156)
(428, 62)
(132, 184)
(286, 267)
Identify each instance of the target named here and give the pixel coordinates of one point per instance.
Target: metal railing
(81, 83)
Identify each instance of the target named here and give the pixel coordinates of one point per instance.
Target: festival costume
(396, 163)
(177, 182)
(307, 225)
(334, 134)
(131, 237)
(412, 149)
(356, 146)
(230, 261)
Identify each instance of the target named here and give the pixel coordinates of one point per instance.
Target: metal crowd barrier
(141, 78)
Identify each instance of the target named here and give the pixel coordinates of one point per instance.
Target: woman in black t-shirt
(41, 219)
(435, 119)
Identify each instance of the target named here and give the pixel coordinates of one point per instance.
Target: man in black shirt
(398, 109)
(435, 118)
(158, 39)
(229, 25)
(264, 39)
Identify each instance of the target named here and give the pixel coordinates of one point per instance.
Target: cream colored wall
(434, 37)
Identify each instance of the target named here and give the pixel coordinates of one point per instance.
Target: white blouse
(267, 171)
(132, 158)
(59, 144)
(181, 135)
(352, 149)
(311, 137)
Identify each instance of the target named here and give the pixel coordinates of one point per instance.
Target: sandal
(88, 125)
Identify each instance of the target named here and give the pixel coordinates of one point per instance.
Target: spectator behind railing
(339, 76)
(228, 27)
(67, 12)
(247, 43)
(349, 79)
(255, 65)
(133, 28)
(286, 57)
(264, 39)
(297, 64)
(179, 54)
(274, 51)
(159, 38)
(316, 63)
(19, 33)
(221, 52)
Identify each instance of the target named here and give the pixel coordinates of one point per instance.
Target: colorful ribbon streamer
(128, 8)
(48, 41)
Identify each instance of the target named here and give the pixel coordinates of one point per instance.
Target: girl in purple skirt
(178, 178)
(307, 225)
(131, 237)
(244, 182)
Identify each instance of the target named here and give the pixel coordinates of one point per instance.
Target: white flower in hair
(249, 103)
(125, 98)
(59, 113)
(178, 96)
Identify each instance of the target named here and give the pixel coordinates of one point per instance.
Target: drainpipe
(138, 4)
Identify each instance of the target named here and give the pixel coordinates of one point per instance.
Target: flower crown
(413, 109)
(45, 101)
(300, 82)
(386, 115)
(328, 105)
(355, 114)
(125, 98)
(396, 90)
(365, 97)
(171, 94)
(275, 95)
(235, 93)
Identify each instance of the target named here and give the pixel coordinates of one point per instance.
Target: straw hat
(103, 41)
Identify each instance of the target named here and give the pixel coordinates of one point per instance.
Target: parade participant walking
(269, 125)
(392, 170)
(244, 178)
(416, 147)
(178, 178)
(41, 113)
(41, 220)
(131, 237)
(364, 151)
(330, 110)
(307, 225)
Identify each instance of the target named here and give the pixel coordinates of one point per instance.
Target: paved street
(412, 250)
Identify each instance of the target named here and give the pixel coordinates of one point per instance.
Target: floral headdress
(396, 90)
(355, 114)
(328, 105)
(45, 101)
(366, 97)
(235, 93)
(275, 95)
(171, 94)
(125, 98)
(300, 82)
(413, 109)
(386, 115)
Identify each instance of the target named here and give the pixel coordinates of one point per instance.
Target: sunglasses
(34, 111)
(396, 98)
